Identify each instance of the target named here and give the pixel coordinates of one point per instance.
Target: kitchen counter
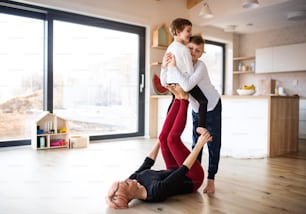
(252, 126)
(260, 125)
(256, 96)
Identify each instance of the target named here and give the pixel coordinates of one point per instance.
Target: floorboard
(67, 181)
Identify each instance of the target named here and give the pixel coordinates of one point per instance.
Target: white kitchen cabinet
(289, 58)
(264, 60)
(245, 127)
(286, 58)
(259, 126)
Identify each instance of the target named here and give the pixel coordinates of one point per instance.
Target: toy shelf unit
(50, 132)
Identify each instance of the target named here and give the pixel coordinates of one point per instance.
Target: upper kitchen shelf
(244, 58)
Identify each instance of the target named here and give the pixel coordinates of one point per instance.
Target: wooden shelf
(52, 147)
(160, 47)
(156, 63)
(243, 72)
(244, 58)
(247, 63)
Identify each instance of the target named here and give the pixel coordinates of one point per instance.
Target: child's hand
(172, 62)
(166, 60)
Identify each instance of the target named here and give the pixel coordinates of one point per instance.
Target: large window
(87, 70)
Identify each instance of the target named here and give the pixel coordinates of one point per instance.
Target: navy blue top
(161, 184)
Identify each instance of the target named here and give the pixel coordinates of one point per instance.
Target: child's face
(195, 50)
(185, 35)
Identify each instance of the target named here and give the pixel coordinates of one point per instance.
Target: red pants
(173, 150)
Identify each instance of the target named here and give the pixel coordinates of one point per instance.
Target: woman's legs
(179, 150)
(167, 154)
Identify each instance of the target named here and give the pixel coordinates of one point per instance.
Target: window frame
(49, 15)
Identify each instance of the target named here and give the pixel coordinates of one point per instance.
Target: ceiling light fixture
(296, 15)
(250, 4)
(205, 11)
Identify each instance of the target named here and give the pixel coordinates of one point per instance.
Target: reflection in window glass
(213, 59)
(21, 57)
(95, 79)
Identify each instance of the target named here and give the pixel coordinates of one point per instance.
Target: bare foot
(210, 186)
(201, 130)
(180, 92)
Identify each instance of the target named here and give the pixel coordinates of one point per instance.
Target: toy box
(78, 141)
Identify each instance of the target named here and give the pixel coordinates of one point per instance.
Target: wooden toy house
(49, 132)
(161, 37)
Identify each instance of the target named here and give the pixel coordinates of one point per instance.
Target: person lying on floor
(183, 174)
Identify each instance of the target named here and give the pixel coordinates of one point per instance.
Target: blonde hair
(115, 200)
(197, 39)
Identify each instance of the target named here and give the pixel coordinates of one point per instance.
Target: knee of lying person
(173, 138)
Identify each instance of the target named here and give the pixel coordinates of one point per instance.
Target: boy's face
(195, 50)
(185, 35)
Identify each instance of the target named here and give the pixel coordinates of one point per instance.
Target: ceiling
(270, 14)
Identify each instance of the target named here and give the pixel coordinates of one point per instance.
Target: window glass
(213, 59)
(95, 84)
(21, 82)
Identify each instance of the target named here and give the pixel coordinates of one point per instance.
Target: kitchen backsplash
(293, 83)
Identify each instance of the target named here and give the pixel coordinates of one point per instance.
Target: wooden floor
(66, 181)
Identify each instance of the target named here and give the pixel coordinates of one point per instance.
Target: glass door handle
(141, 86)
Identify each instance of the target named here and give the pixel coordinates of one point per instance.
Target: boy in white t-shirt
(181, 30)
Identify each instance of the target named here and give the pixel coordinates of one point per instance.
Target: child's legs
(167, 155)
(202, 100)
